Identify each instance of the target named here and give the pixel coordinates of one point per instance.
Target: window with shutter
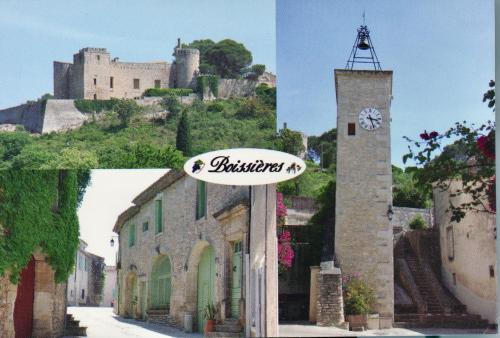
(158, 216)
(201, 200)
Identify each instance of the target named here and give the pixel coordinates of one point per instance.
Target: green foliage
(418, 223)
(95, 106)
(290, 141)
(126, 109)
(228, 58)
(208, 81)
(266, 94)
(105, 143)
(359, 299)
(310, 184)
(172, 104)
(203, 45)
(168, 91)
(258, 69)
(406, 190)
(183, 140)
(210, 312)
(38, 210)
(325, 146)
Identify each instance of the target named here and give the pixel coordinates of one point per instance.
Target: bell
(363, 43)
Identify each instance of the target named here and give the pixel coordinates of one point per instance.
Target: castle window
(136, 84)
(83, 293)
(157, 84)
(351, 129)
(492, 271)
(95, 96)
(95, 81)
(450, 243)
(111, 82)
(98, 58)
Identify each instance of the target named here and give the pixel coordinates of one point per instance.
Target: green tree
(406, 190)
(183, 141)
(290, 141)
(325, 146)
(171, 103)
(228, 57)
(266, 94)
(126, 109)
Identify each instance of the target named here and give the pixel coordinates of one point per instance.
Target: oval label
(244, 166)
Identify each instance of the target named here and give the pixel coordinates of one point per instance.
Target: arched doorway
(161, 283)
(131, 295)
(23, 307)
(206, 283)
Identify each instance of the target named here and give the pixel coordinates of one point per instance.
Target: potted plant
(358, 301)
(210, 313)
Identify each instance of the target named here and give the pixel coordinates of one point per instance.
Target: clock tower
(363, 231)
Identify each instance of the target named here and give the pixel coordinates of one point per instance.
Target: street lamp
(112, 241)
(390, 212)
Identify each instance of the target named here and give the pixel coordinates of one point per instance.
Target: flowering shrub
(358, 297)
(281, 210)
(486, 145)
(285, 251)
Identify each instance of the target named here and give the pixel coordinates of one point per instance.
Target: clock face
(370, 118)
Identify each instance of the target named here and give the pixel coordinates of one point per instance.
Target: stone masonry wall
(8, 292)
(30, 115)
(364, 183)
(183, 240)
(403, 216)
(330, 305)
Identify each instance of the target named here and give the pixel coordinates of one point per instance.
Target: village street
(101, 322)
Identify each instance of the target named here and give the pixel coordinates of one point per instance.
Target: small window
(95, 81)
(83, 293)
(201, 200)
(131, 235)
(351, 129)
(158, 216)
(492, 271)
(136, 84)
(98, 58)
(450, 243)
(454, 278)
(237, 246)
(111, 82)
(157, 84)
(145, 226)
(95, 96)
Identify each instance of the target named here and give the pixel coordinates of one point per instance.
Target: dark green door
(236, 280)
(206, 283)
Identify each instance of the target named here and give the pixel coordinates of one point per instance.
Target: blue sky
(35, 33)
(441, 52)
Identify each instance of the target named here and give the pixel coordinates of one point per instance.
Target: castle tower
(363, 232)
(187, 63)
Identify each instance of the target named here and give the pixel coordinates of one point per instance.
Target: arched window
(161, 284)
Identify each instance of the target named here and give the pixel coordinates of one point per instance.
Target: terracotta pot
(210, 326)
(357, 321)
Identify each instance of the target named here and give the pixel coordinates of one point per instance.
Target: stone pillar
(313, 294)
(8, 292)
(330, 306)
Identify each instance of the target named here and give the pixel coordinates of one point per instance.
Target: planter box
(357, 322)
(373, 322)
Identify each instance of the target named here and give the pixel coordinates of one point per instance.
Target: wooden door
(206, 284)
(236, 280)
(23, 306)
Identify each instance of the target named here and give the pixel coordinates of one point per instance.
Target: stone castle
(95, 75)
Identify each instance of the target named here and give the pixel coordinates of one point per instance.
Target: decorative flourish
(285, 251)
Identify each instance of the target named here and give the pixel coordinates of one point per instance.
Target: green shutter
(158, 216)
(161, 283)
(201, 200)
(131, 235)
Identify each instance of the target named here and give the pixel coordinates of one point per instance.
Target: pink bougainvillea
(486, 145)
(285, 251)
(281, 210)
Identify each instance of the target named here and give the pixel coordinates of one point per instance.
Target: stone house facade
(109, 293)
(36, 306)
(186, 243)
(468, 254)
(82, 288)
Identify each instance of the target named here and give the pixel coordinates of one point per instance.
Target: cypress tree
(183, 141)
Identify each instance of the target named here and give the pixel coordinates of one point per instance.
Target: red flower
(486, 145)
(433, 134)
(425, 136)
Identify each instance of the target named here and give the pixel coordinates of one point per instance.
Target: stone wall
(236, 88)
(29, 115)
(330, 304)
(403, 216)
(8, 292)
(468, 254)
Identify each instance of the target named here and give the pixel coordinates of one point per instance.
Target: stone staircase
(73, 328)
(230, 328)
(435, 316)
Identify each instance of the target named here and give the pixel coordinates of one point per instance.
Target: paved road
(304, 330)
(101, 322)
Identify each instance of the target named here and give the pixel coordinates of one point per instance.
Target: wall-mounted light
(390, 212)
(112, 241)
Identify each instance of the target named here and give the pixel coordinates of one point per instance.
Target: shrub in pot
(210, 313)
(359, 300)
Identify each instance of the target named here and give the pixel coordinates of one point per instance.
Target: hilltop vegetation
(125, 138)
